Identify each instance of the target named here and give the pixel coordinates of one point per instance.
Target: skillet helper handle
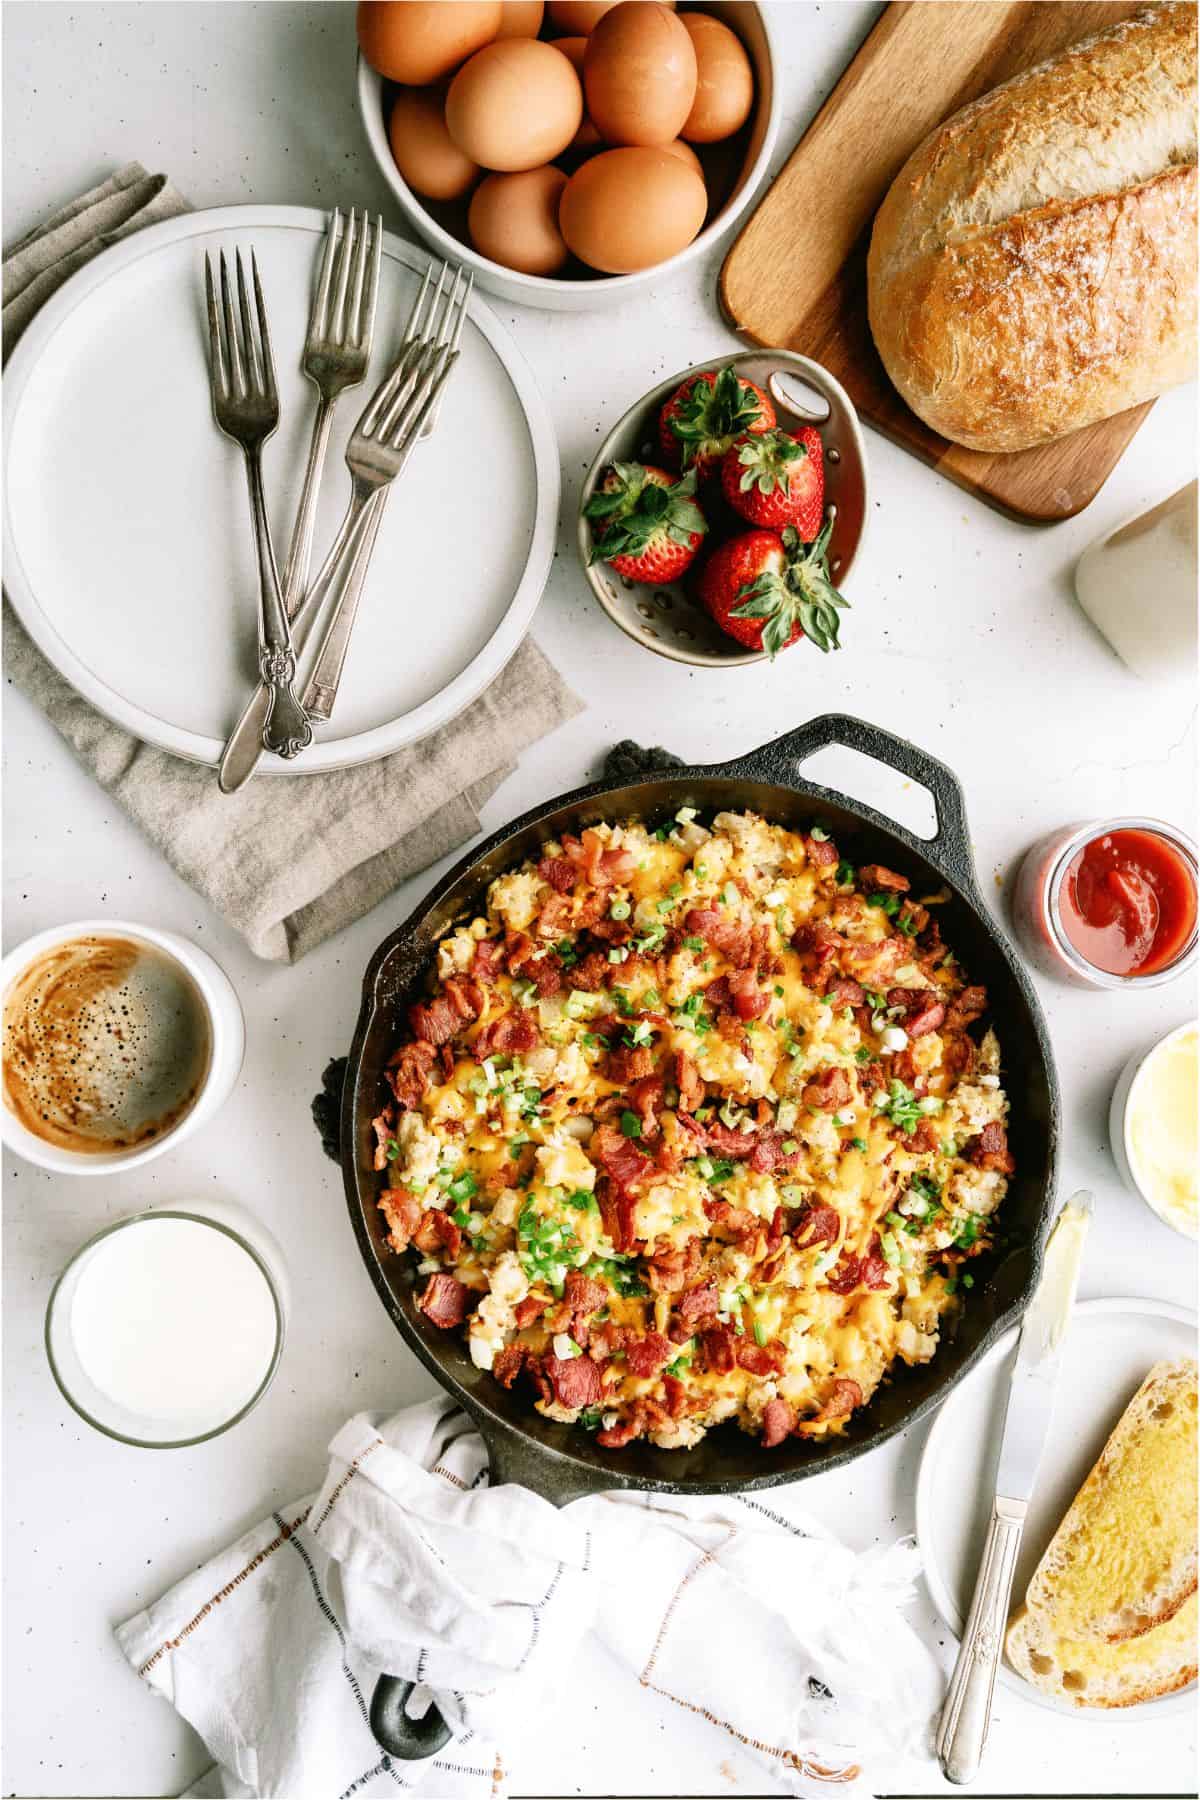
(949, 849)
(963, 1729)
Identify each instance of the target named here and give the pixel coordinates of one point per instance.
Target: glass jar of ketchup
(1110, 904)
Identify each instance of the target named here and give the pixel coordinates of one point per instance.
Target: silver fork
(336, 353)
(442, 324)
(246, 408)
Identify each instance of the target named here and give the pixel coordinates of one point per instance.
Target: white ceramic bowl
(227, 1044)
(1120, 1113)
(583, 293)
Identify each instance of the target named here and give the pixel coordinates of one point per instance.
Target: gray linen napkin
(291, 859)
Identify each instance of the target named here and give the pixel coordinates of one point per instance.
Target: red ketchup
(1128, 902)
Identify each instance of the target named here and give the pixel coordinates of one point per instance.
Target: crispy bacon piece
(508, 1363)
(731, 1221)
(737, 942)
(749, 1000)
(958, 1054)
(777, 1421)
(818, 945)
(823, 853)
(966, 1007)
(546, 974)
(530, 1308)
(556, 916)
(924, 1137)
(381, 1125)
(599, 866)
(924, 1010)
(645, 1098)
(697, 1304)
(828, 1090)
(869, 1270)
(629, 1063)
(402, 1211)
(870, 1078)
(677, 1396)
(436, 1233)
(436, 1021)
(716, 1348)
(615, 1437)
(647, 1355)
(990, 1150)
(687, 1080)
(592, 972)
(605, 1339)
(408, 1073)
(759, 1359)
(845, 992)
(619, 1157)
(558, 872)
(583, 1295)
(876, 878)
(444, 1301)
(670, 1271)
(817, 1224)
(875, 964)
(769, 1154)
(618, 1210)
(575, 1380)
(727, 1142)
(485, 964)
(913, 918)
(843, 1397)
(513, 1031)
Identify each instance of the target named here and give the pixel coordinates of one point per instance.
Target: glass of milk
(166, 1328)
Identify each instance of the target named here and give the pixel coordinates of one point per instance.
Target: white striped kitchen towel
(742, 1611)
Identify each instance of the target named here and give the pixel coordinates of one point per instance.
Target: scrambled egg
(693, 1128)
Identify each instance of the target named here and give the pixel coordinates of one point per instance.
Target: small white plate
(1109, 1350)
(127, 547)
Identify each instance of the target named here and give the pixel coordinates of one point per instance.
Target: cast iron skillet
(562, 1463)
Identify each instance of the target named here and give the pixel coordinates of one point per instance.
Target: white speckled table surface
(964, 636)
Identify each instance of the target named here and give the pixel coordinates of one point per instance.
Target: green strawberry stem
(766, 462)
(802, 592)
(709, 414)
(637, 511)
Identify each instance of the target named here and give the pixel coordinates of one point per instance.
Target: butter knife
(963, 1728)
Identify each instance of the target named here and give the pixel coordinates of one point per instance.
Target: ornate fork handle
(286, 730)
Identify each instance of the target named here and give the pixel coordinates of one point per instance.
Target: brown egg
(686, 154)
(628, 209)
(516, 105)
(724, 80)
(639, 74)
(419, 41)
(426, 155)
(513, 219)
(520, 18)
(587, 138)
(582, 15)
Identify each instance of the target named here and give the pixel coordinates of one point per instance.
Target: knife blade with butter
(962, 1731)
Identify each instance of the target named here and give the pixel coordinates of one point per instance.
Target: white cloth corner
(741, 1611)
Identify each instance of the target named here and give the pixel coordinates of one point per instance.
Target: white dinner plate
(127, 547)
(1109, 1350)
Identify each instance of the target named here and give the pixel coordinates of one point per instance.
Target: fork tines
(430, 345)
(242, 366)
(349, 272)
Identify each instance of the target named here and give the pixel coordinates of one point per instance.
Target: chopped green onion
(760, 1333)
(620, 909)
(631, 1125)
(859, 1143)
(693, 943)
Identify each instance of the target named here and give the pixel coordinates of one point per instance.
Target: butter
(1162, 1129)
(1050, 1309)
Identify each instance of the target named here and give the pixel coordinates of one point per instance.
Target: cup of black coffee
(119, 1041)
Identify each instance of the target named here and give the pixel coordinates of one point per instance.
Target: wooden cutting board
(796, 277)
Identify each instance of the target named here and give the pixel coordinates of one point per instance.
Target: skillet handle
(949, 849)
(511, 1458)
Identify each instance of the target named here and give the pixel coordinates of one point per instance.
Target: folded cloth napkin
(743, 1612)
(290, 860)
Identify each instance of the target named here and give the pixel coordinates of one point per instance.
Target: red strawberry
(766, 589)
(704, 416)
(777, 479)
(648, 525)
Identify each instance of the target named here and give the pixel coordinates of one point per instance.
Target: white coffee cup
(226, 1045)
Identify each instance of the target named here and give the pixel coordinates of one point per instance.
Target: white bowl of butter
(1153, 1125)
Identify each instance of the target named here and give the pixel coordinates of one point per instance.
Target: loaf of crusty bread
(1033, 266)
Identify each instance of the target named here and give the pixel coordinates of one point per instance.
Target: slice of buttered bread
(1123, 1561)
(1091, 1673)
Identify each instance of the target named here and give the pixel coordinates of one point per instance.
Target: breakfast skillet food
(692, 1129)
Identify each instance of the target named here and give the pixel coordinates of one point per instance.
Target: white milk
(173, 1320)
